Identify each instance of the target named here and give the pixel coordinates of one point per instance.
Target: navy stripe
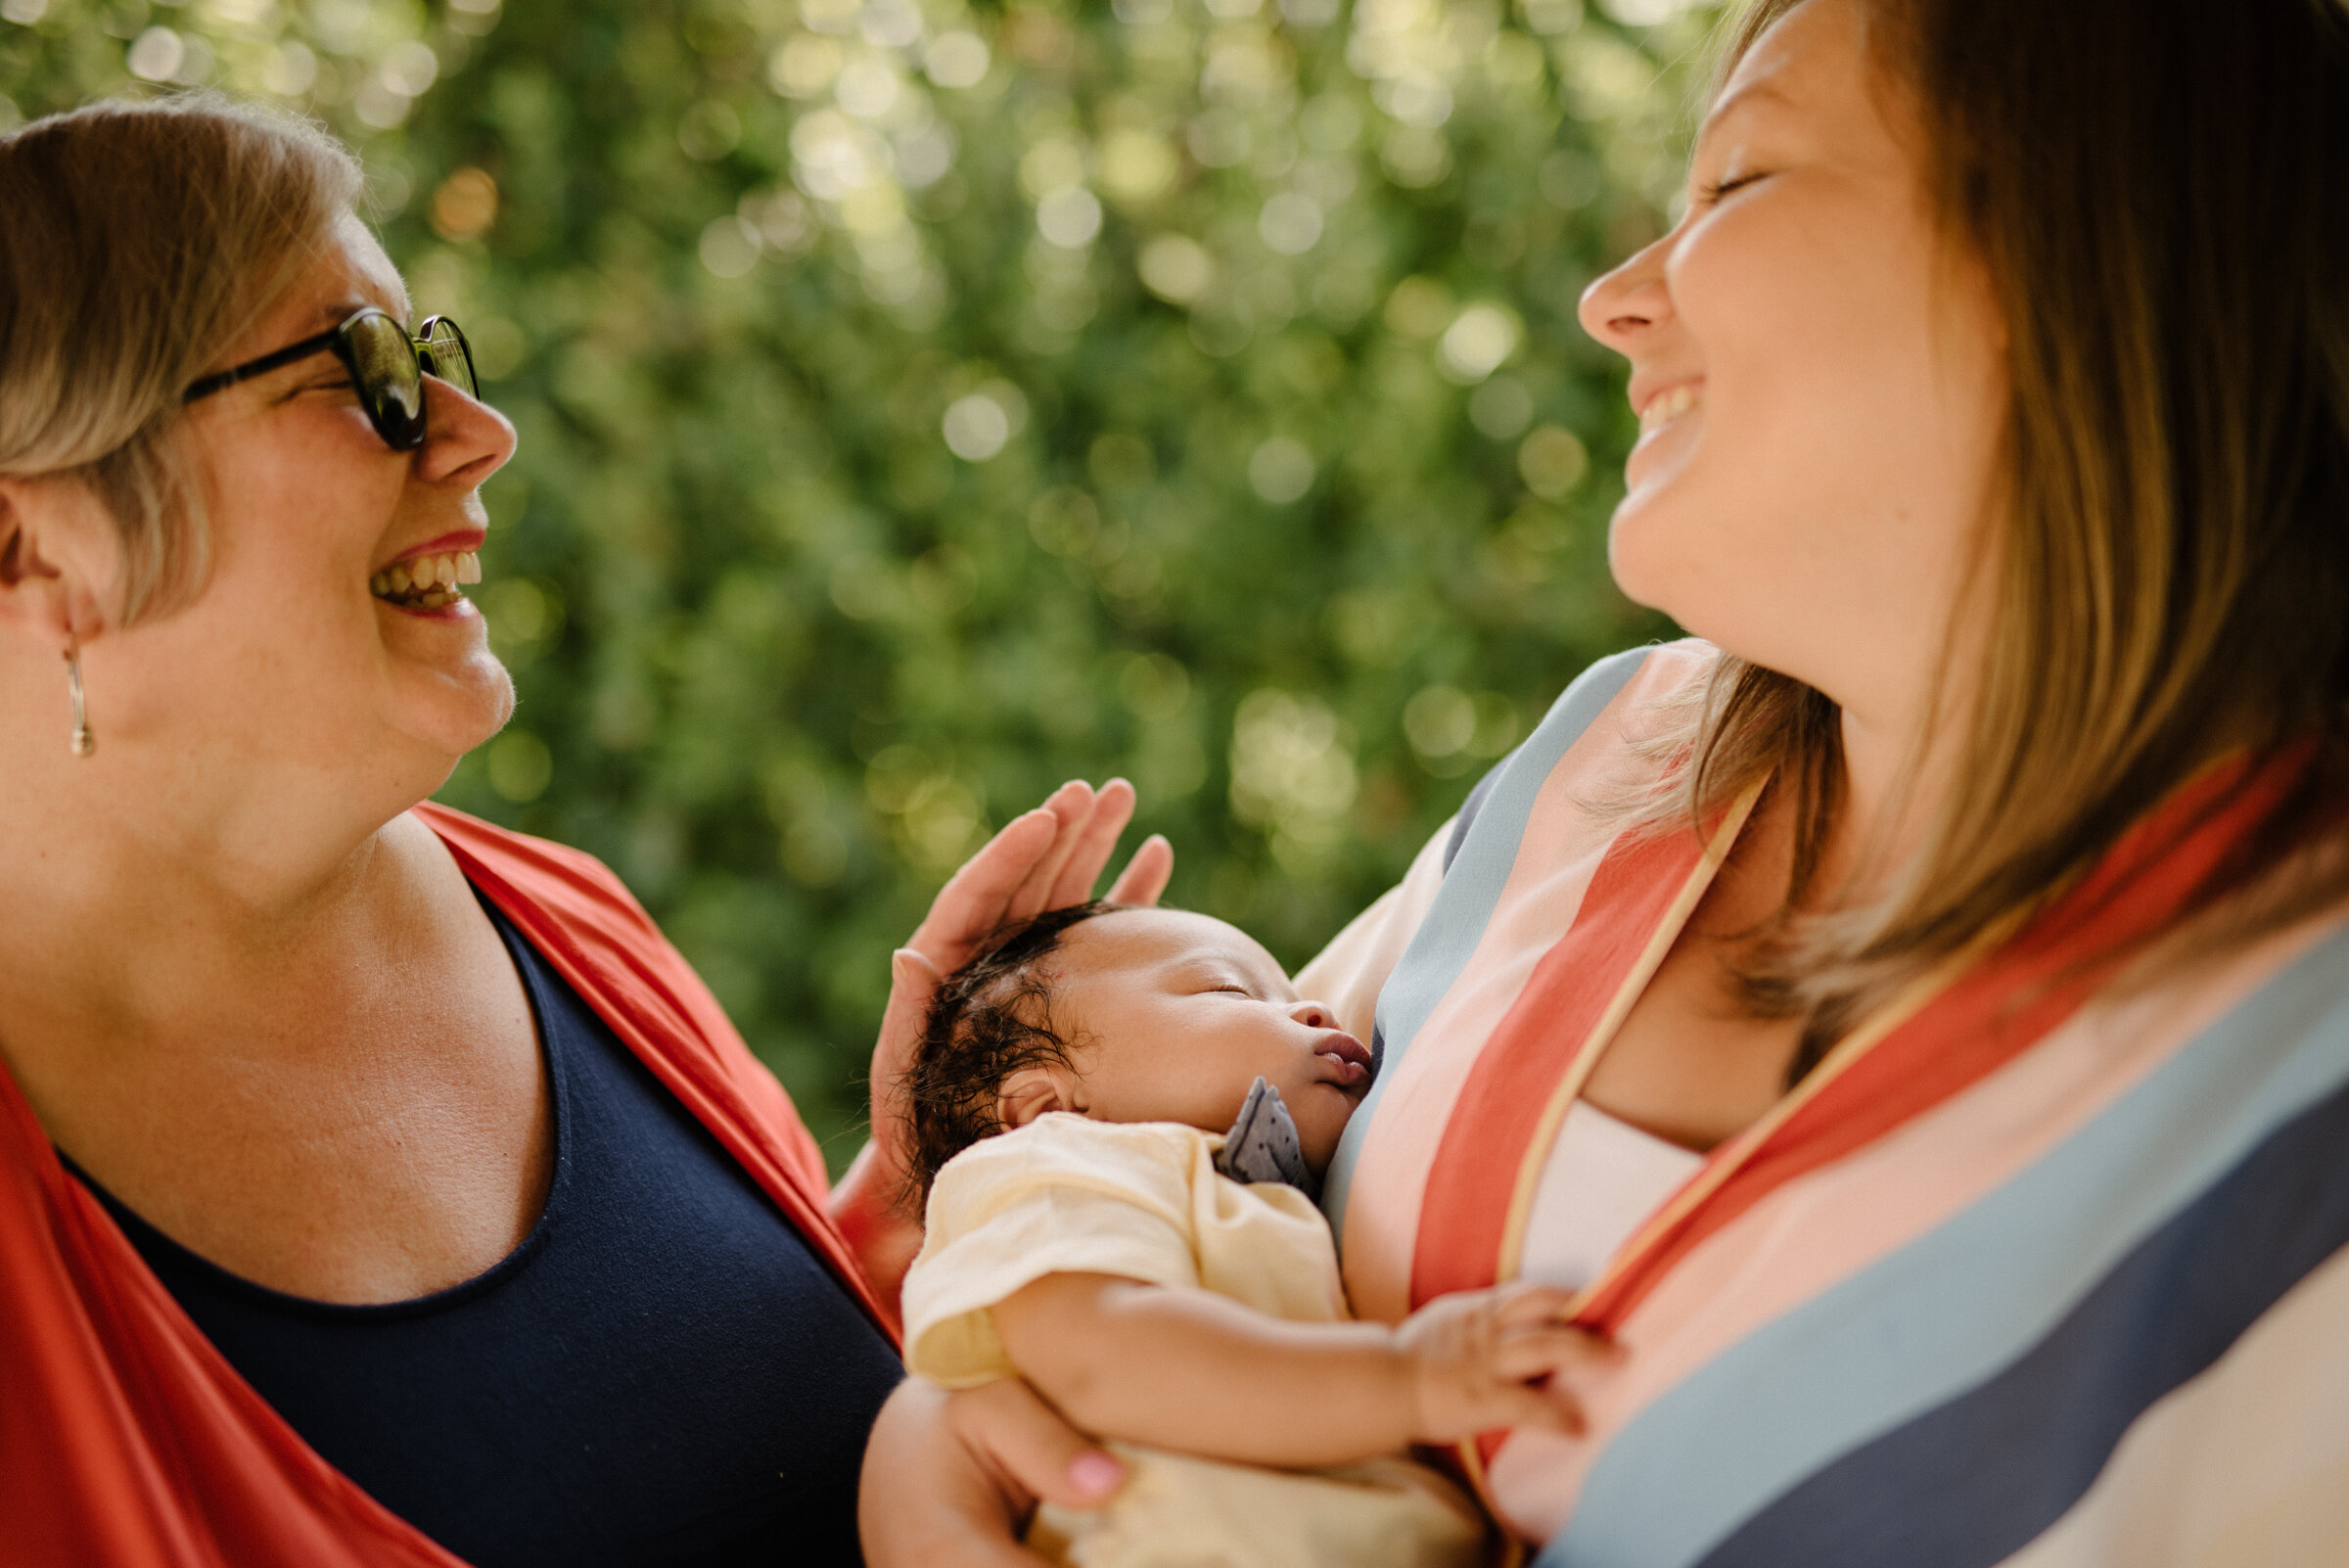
(1971, 1482)
(1468, 809)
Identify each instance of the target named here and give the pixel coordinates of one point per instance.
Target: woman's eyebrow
(1761, 90)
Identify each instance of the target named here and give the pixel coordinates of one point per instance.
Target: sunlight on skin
(1821, 385)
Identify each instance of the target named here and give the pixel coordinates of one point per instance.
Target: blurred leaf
(921, 405)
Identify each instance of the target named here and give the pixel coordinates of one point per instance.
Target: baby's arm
(1192, 1370)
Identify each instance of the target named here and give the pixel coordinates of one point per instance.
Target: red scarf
(126, 1440)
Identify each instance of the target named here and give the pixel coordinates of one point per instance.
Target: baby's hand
(1473, 1359)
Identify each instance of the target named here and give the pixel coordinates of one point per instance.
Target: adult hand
(1048, 858)
(949, 1479)
(1045, 859)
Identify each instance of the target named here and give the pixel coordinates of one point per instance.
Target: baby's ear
(1029, 1094)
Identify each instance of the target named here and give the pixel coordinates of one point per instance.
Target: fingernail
(1096, 1474)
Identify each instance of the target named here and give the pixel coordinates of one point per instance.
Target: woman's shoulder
(583, 920)
(1587, 749)
(1653, 677)
(569, 880)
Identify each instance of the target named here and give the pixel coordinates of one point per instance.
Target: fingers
(1552, 1410)
(1032, 1448)
(1533, 1352)
(1145, 876)
(1048, 858)
(979, 896)
(928, 1500)
(912, 981)
(1095, 836)
(1072, 807)
(1529, 1303)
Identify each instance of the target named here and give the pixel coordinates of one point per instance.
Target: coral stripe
(1872, 1204)
(1475, 1171)
(1986, 1017)
(1558, 853)
(1968, 1302)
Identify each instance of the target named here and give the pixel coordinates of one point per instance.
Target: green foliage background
(924, 404)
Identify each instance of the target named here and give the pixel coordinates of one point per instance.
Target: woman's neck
(141, 888)
(1897, 761)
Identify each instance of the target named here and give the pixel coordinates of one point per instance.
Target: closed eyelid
(339, 381)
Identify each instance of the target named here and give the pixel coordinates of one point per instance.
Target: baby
(1067, 1110)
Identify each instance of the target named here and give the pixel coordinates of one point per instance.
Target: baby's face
(1174, 1016)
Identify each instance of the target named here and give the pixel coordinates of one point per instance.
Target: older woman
(1917, 1016)
(376, 1187)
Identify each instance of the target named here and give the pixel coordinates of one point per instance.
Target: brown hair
(142, 238)
(2159, 198)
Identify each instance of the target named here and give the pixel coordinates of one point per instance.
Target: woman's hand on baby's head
(1473, 1360)
(1048, 858)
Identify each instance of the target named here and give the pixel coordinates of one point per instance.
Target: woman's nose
(464, 438)
(1623, 307)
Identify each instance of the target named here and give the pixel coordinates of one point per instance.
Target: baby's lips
(1349, 1055)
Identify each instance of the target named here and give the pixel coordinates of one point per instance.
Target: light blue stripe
(1456, 922)
(1938, 1318)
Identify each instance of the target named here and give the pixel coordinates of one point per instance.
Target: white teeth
(430, 580)
(1667, 406)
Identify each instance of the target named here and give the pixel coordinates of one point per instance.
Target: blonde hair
(2156, 197)
(139, 240)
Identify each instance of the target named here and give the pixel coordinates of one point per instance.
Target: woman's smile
(426, 578)
(1661, 414)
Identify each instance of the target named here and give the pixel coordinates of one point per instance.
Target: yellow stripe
(1602, 1033)
(1846, 1052)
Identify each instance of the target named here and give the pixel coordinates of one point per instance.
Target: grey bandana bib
(1262, 1145)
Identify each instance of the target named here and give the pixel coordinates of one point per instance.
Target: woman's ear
(55, 545)
(1030, 1092)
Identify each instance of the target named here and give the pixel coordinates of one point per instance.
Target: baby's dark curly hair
(989, 1018)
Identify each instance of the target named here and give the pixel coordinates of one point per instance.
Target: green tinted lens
(389, 380)
(448, 356)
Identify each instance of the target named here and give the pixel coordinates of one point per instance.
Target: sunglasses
(387, 365)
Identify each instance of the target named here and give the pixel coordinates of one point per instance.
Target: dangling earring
(84, 742)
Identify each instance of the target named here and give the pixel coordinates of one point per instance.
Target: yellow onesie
(1066, 1194)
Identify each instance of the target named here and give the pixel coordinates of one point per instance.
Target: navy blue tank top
(662, 1372)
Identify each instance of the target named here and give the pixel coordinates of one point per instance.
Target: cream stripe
(1833, 1221)
(1846, 1054)
(1602, 1034)
(1557, 853)
(2246, 1466)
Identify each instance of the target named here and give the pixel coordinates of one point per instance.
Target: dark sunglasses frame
(398, 418)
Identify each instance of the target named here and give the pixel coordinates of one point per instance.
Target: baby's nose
(1313, 1015)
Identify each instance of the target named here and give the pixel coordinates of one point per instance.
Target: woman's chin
(461, 707)
(1642, 555)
